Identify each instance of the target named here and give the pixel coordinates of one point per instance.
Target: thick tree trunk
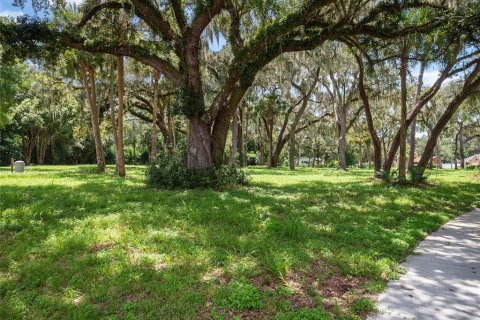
(233, 146)
(153, 148)
(461, 137)
(121, 93)
(199, 142)
(88, 79)
(403, 114)
(221, 126)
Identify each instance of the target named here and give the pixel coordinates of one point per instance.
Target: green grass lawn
(306, 245)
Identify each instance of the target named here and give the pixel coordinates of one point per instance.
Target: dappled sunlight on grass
(75, 244)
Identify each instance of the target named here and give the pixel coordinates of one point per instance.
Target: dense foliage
(170, 172)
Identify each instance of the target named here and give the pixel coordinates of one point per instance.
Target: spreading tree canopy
(173, 37)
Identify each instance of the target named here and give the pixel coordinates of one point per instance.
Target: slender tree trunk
(88, 79)
(413, 125)
(342, 138)
(360, 162)
(113, 119)
(269, 125)
(369, 156)
(455, 152)
(28, 150)
(233, 147)
(472, 83)
(121, 93)
(171, 131)
(153, 152)
(377, 148)
(41, 148)
(241, 135)
(291, 152)
(461, 137)
(403, 113)
(438, 154)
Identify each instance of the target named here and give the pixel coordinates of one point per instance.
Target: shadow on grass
(77, 245)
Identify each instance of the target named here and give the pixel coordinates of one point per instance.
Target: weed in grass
(363, 306)
(287, 228)
(240, 296)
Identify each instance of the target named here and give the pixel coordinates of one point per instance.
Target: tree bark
(377, 148)
(221, 126)
(88, 79)
(241, 135)
(342, 137)
(233, 146)
(291, 151)
(121, 93)
(455, 151)
(403, 113)
(199, 141)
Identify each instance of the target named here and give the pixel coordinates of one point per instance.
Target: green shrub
(333, 164)
(390, 177)
(171, 172)
(416, 175)
(472, 167)
(240, 296)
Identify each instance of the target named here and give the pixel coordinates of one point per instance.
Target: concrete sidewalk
(443, 276)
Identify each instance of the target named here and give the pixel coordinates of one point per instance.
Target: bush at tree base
(171, 172)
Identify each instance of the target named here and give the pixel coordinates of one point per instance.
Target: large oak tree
(170, 36)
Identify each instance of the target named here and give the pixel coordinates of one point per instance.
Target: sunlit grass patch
(310, 243)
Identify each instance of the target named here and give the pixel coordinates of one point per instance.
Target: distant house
(304, 161)
(473, 160)
(437, 161)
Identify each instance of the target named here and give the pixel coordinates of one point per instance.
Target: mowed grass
(306, 245)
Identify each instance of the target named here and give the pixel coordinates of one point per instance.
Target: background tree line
(331, 83)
